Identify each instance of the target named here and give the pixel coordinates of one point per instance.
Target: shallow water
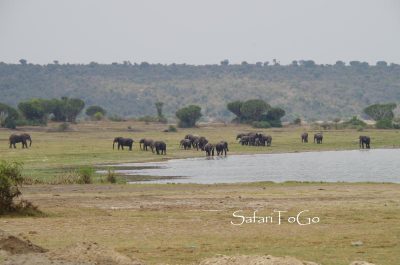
(379, 165)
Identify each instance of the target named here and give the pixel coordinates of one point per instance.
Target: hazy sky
(199, 32)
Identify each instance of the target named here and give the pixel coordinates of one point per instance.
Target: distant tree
(244, 63)
(73, 106)
(340, 64)
(34, 110)
(381, 64)
(336, 121)
(225, 62)
(92, 110)
(297, 121)
(8, 116)
(188, 116)
(266, 63)
(252, 109)
(259, 64)
(295, 63)
(159, 106)
(234, 107)
(274, 116)
(307, 63)
(381, 111)
(23, 61)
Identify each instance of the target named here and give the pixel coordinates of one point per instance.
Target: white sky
(199, 31)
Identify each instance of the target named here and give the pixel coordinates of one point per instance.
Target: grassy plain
(181, 224)
(90, 144)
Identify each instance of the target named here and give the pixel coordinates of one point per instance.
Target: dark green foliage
(234, 107)
(297, 121)
(34, 110)
(188, 116)
(92, 110)
(381, 111)
(8, 116)
(253, 109)
(384, 124)
(274, 116)
(261, 124)
(10, 183)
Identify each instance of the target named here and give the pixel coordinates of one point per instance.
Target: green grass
(90, 144)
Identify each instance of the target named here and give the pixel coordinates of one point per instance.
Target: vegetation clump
(188, 116)
(11, 181)
(85, 175)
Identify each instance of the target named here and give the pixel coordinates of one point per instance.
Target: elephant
(304, 137)
(22, 138)
(244, 140)
(123, 142)
(185, 144)
(209, 149)
(365, 140)
(240, 135)
(263, 140)
(221, 147)
(160, 147)
(146, 143)
(202, 141)
(318, 137)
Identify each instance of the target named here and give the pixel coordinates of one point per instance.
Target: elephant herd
(201, 143)
(193, 141)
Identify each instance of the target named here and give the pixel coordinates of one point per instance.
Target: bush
(354, 123)
(384, 124)
(85, 175)
(148, 118)
(297, 121)
(10, 182)
(116, 118)
(261, 124)
(93, 110)
(98, 116)
(63, 127)
(188, 116)
(172, 128)
(111, 176)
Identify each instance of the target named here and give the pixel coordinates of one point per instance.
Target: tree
(23, 61)
(252, 109)
(8, 116)
(10, 182)
(234, 107)
(225, 62)
(381, 111)
(273, 116)
(188, 116)
(73, 106)
(92, 110)
(160, 115)
(34, 110)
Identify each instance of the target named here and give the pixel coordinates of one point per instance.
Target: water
(379, 165)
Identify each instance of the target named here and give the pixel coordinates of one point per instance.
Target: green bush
(188, 116)
(85, 175)
(98, 116)
(261, 124)
(354, 123)
(10, 182)
(111, 176)
(384, 124)
(172, 128)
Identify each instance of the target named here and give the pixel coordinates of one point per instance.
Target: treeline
(38, 111)
(304, 89)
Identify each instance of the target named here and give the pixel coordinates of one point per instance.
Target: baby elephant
(22, 138)
(221, 147)
(304, 137)
(160, 147)
(365, 140)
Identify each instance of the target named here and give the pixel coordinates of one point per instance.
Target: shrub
(10, 182)
(384, 124)
(98, 116)
(297, 121)
(261, 124)
(354, 123)
(116, 118)
(148, 118)
(63, 127)
(85, 175)
(172, 128)
(93, 110)
(111, 176)
(188, 116)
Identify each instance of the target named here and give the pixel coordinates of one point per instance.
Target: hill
(305, 90)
